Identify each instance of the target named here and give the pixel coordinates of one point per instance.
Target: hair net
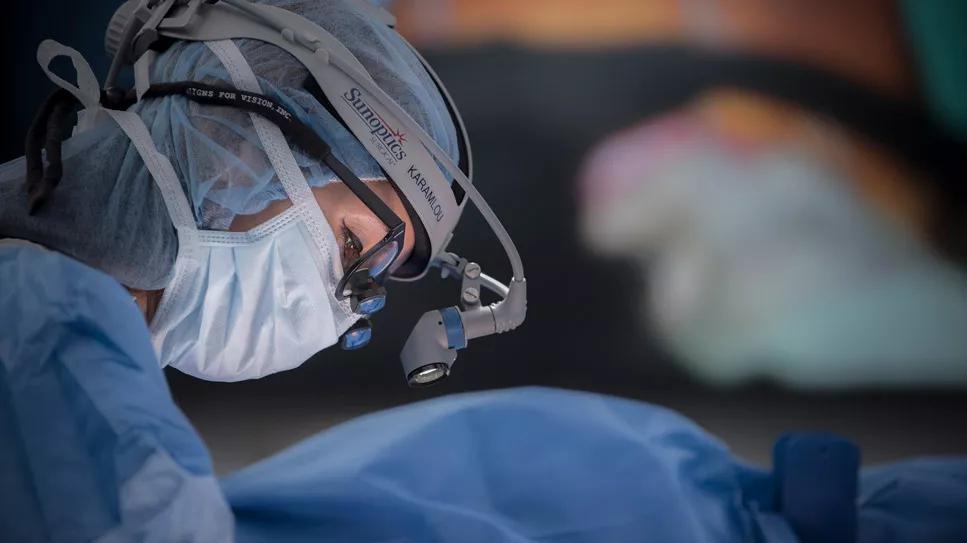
(216, 151)
(107, 211)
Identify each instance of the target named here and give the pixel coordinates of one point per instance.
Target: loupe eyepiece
(367, 297)
(369, 301)
(357, 336)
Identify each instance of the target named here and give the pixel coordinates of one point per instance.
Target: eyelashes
(351, 247)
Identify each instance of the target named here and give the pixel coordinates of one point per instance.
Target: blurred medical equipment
(765, 262)
(826, 253)
(140, 29)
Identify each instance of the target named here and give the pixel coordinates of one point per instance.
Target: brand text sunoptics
(391, 140)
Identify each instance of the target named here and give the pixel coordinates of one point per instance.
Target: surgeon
(94, 449)
(249, 287)
(245, 207)
(259, 185)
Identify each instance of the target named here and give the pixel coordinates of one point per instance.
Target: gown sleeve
(92, 447)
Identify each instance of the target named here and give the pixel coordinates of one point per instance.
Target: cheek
(333, 209)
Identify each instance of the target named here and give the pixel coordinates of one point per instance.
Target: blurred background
(749, 211)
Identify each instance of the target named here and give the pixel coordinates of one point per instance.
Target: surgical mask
(251, 304)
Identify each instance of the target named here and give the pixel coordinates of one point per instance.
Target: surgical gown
(93, 448)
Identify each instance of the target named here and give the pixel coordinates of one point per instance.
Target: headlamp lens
(428, 374)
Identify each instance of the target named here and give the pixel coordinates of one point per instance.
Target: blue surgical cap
(216, 150)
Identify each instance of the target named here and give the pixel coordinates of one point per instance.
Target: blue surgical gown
(93, 448)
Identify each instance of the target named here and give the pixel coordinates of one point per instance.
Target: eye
(351, 247)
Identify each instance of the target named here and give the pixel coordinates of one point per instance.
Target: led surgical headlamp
(140, 28)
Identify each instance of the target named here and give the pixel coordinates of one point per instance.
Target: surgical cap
(215, 149)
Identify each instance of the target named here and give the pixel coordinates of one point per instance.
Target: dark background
(532, 115)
